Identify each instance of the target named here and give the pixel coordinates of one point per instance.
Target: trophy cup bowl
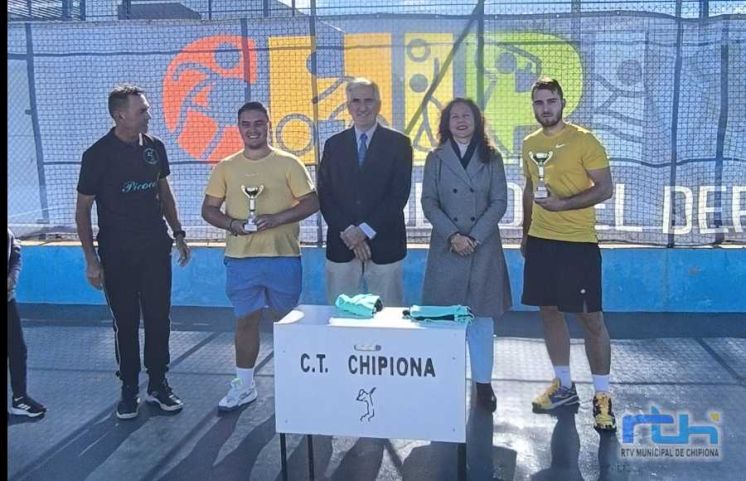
(541, 159)
(252, 192)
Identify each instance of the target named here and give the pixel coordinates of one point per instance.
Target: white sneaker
(237, 396)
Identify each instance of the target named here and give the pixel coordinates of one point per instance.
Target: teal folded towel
(361, 305)
(457, 313)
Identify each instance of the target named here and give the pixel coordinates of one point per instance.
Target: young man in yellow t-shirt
(562, 272)
(262, 258)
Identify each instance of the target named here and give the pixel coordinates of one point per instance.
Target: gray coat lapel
(475, 168)
(451, 161)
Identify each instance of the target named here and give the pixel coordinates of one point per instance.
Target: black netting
(664, 94)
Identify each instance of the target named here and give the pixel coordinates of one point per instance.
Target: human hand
(551, 203)
(185, 254)
(267, 221)
(353, 236)
(94, 272)
(462, 245)
(237, 227)
(362, 251)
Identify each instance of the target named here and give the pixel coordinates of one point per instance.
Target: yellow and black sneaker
(555, 396)
(604, 420)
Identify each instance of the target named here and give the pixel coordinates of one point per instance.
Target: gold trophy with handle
(541, 159)
(252, 192)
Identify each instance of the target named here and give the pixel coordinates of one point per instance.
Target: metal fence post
(43, 201)
(675, 119)
(316, 139)
(480, 53)
(722, 130)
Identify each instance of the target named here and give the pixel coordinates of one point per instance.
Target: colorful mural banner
(666, 107)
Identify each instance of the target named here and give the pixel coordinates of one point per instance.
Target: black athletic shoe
(162, 395)
(129, 404)
(26, 406)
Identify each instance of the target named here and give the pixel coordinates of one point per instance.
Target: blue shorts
(253, 283)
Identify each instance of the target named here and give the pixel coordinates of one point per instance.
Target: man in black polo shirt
(126, 174)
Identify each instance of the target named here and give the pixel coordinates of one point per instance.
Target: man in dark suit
(363, 185)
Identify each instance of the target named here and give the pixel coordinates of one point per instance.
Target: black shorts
(563, 274)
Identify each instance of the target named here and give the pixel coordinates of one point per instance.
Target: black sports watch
(178, 233)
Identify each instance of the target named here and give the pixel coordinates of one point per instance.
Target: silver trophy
(252, 192)
(541, 159)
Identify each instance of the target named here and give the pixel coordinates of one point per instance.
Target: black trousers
(137, 279)
(16, 351)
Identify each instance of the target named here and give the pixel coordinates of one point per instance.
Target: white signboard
(385, 377)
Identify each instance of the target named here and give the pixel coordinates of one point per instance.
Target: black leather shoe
(486, 396)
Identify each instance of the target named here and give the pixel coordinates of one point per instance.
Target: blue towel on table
(457, 313)
(360, 305)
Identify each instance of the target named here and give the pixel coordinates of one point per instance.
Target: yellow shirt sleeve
(217, 186)
(595, 156)
(299, 180)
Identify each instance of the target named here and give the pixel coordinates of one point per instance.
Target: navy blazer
(375, 193)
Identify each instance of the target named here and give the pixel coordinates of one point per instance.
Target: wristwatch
(178, 233)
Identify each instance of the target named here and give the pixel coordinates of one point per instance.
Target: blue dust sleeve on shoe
(360, 305)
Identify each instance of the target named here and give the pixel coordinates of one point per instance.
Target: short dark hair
(547, 83)
(253, 106)
(119, 97)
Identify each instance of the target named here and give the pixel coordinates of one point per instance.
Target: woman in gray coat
(464, 196)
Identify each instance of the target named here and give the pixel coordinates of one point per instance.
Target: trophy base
(541, 194)
(250, 227)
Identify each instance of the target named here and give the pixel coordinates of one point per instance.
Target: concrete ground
(685, 364)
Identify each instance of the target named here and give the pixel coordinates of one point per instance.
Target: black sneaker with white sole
(129, 404)
(163, 396)
(26, 406)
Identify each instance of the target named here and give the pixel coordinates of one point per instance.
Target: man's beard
(549, 122)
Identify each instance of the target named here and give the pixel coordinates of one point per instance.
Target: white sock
(563, 374)
(601, 383)
(245, 375)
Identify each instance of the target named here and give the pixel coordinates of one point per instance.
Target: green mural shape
(512, 63)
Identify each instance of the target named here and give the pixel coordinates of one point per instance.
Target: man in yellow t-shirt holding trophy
(266, 193)
(567, 173)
